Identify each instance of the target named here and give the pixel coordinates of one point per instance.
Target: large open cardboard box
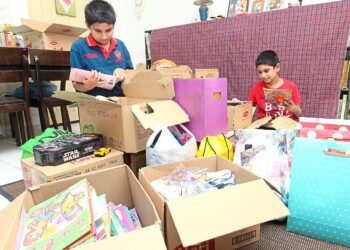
(34, 174)
(215, 219)
(116, 121)
(120, 186)
(52, 36)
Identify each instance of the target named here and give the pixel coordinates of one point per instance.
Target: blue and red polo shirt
(87, 54)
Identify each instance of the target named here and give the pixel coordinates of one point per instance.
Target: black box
(66, 149)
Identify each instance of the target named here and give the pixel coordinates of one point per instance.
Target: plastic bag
(171, 144)
(216, 145)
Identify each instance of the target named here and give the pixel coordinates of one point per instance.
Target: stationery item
(105, 81)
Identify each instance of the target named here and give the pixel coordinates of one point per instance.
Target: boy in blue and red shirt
(99, 52)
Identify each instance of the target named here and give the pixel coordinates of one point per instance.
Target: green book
(60, 220)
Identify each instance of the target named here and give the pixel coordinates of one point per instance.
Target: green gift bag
(49, 134)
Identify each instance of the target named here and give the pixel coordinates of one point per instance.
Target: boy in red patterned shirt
(268, 66)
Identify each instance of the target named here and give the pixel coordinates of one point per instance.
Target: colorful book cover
(277, 96)
(60, 220)
(117, 228)
(20, 228)
(135, 218)
(100, 228)
(124, 218)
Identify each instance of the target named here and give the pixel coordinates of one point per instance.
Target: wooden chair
(50, 65)
(13, 69)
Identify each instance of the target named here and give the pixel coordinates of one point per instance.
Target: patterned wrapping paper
(268, 154)
(310, 40)
(316, 128)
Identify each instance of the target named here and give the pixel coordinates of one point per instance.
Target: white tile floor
(10, 165)
(10, 162)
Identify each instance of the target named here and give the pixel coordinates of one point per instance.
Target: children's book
(100, 228)
(135, 218)
(20, 228)
(117, 228)
(123, 216)
(60, 220)
(277, 96)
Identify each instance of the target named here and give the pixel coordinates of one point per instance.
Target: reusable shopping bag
(49, 134)
(268, 154)
(216, 145)
(319, 198)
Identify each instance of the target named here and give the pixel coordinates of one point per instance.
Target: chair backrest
(14, 67)
(50, 65)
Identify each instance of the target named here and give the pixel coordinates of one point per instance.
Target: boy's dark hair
(99, 11)
(267, 57)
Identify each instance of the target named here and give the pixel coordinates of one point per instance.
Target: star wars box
(64, 150)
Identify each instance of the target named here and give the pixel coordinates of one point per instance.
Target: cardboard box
(206, 73)
(116, 121)
(213, 218)
(148, 84)
(135, 161)
(120, 186)
(34, 174)
(281, 122)
(52, 36)
(205, 101)
(239, 115)
(183, 72)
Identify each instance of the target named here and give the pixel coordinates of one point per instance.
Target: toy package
(106, 81)
(63, 150)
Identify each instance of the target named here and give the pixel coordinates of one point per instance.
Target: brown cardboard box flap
(148, 84)
(284, 123)
(278, 123)
(73, 96)
(82, 97)
(149, 238)
(30, 26)
(260, 122)
(166, 112)
(220, 212)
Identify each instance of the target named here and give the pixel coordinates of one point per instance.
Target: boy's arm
(293, 108)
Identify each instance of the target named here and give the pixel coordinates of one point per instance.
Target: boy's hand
(120, 74)
(292, 108)
(87, 84)
(93, 81)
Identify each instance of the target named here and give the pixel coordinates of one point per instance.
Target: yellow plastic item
(216, 145)
(101, 152)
